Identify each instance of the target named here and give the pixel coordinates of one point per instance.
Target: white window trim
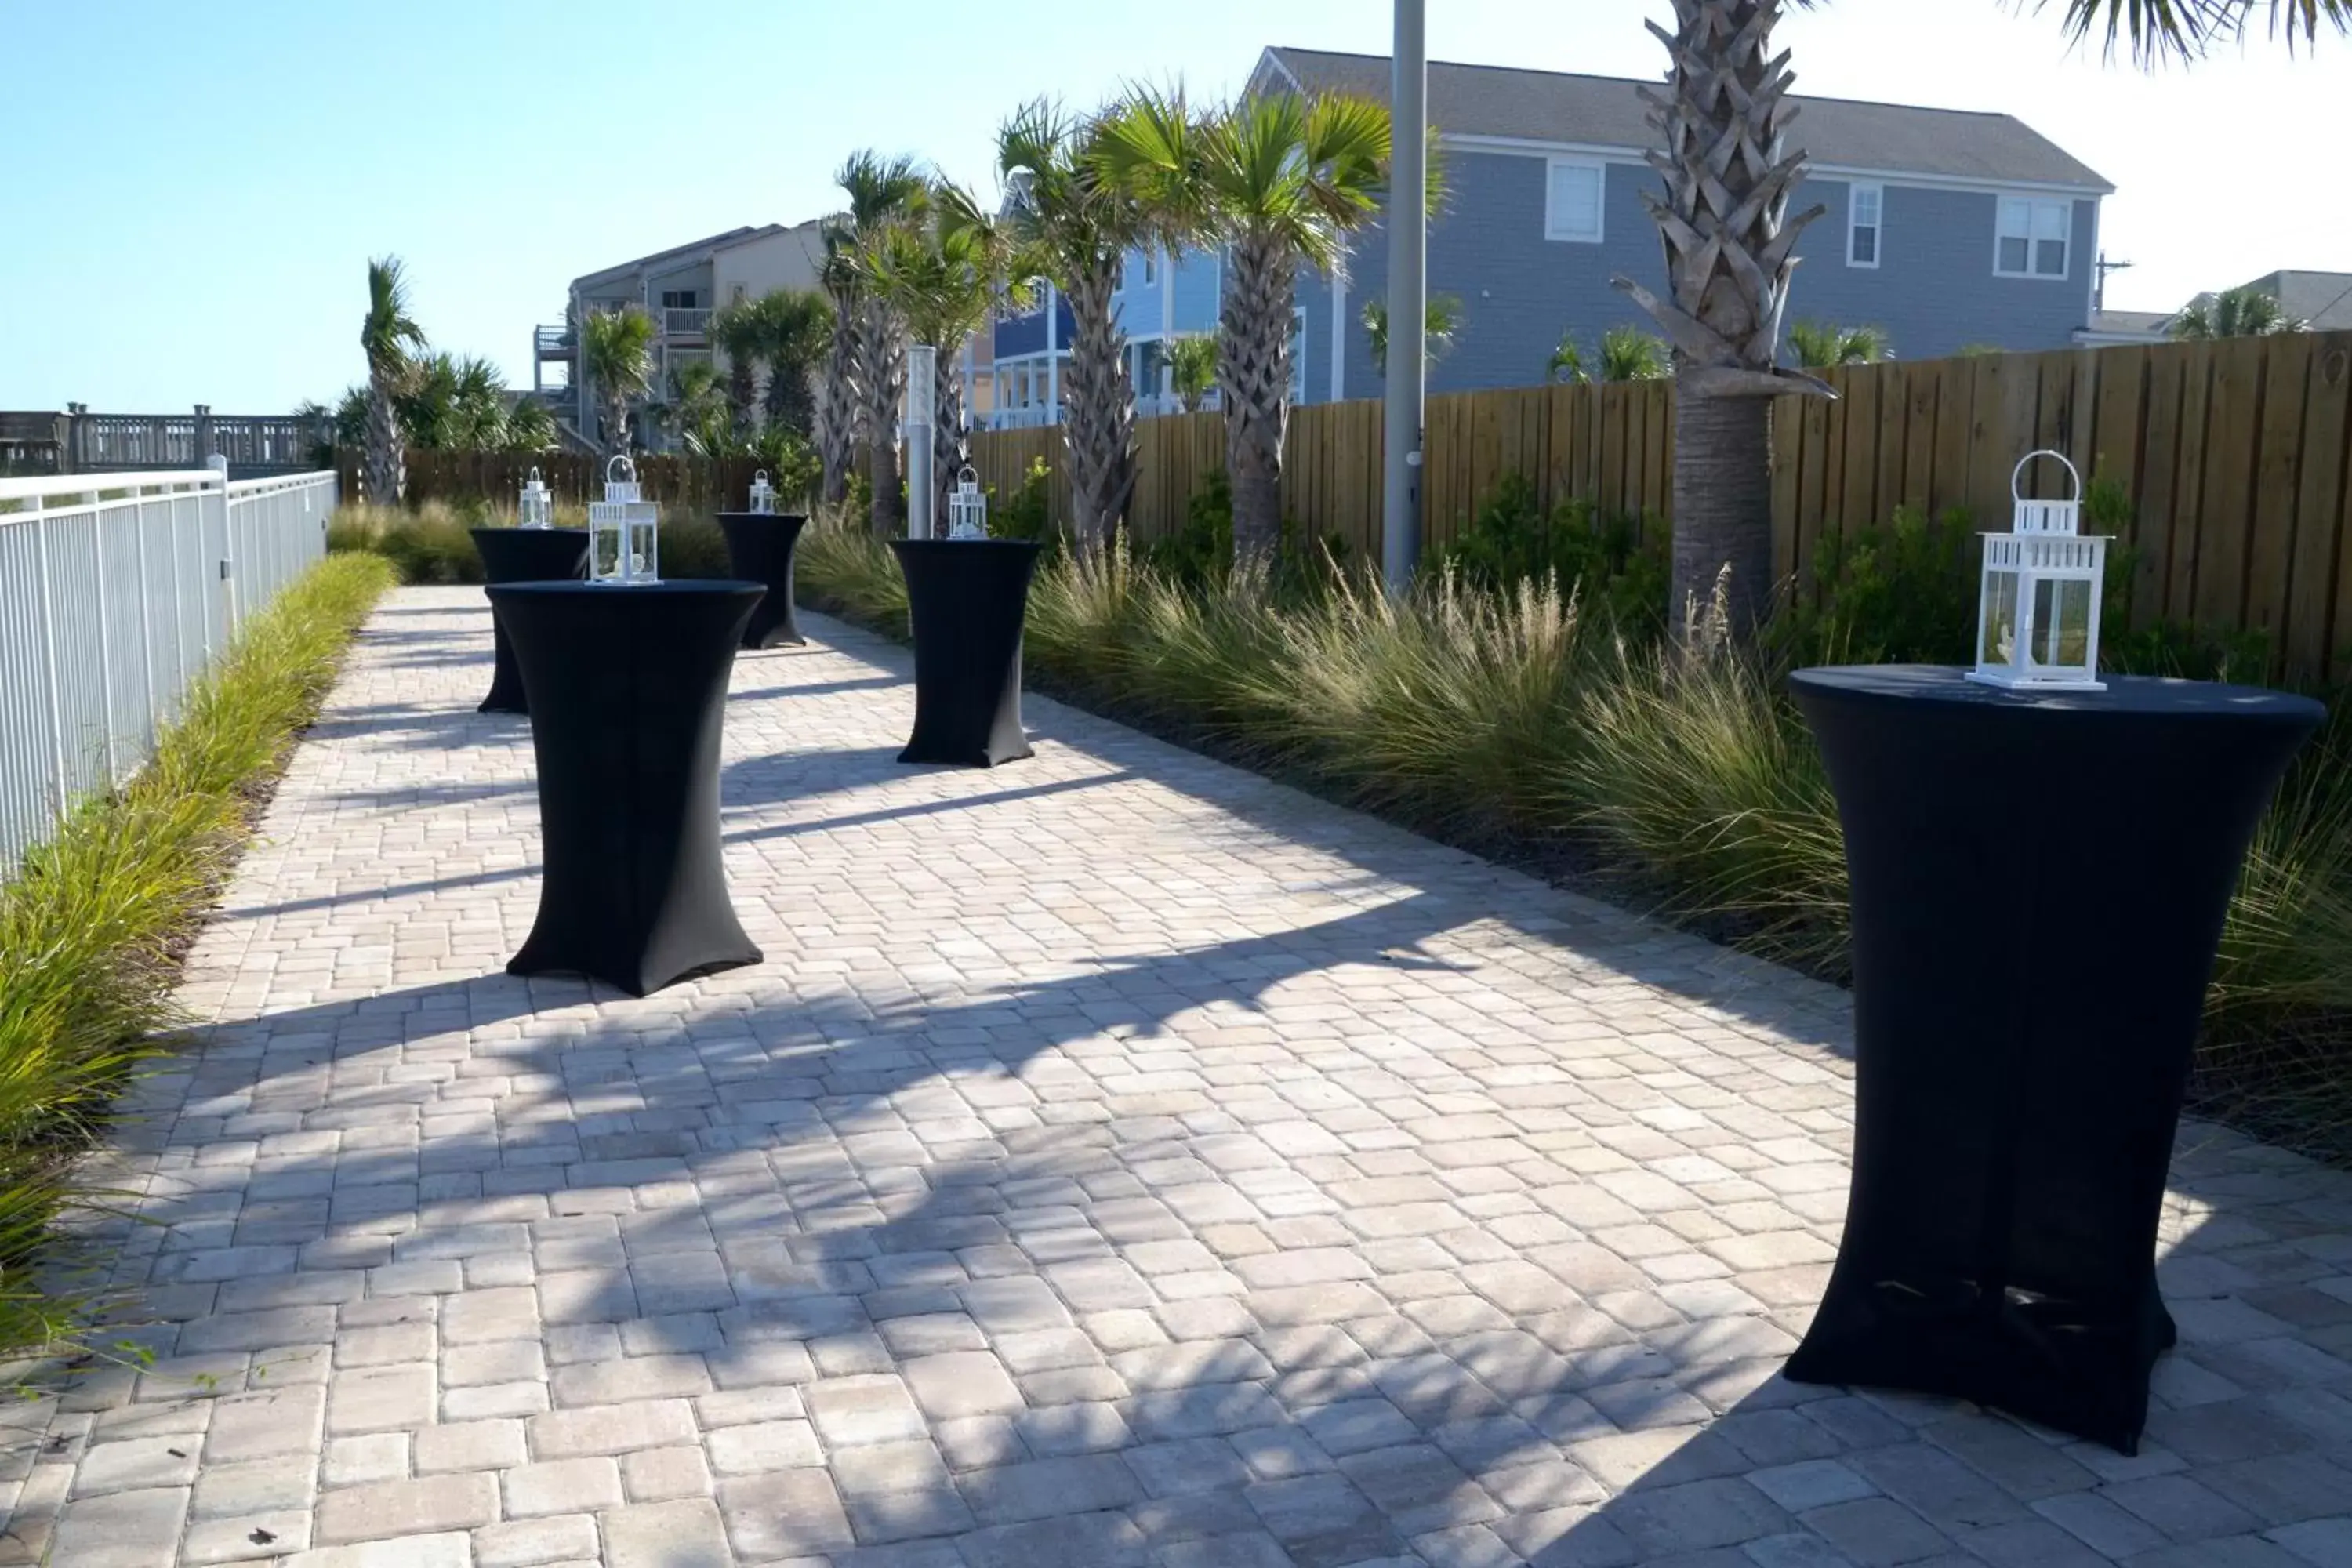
(1151, 268)
(1600, 206)
(1878, 229)
(2033, 199)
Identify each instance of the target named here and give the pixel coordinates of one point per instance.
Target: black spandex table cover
(965, 602)
(2038, 883)
(523, 556)
(628, 695)
(759, 548)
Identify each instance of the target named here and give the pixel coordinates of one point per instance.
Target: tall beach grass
(93, 923)
(1525, 722)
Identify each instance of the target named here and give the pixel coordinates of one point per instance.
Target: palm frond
(2154, 32)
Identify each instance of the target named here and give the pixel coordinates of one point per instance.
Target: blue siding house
(1947, 229)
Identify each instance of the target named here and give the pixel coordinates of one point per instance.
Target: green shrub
(91, 924)
(1024, 513)
(1903, 594)
(1617, 563)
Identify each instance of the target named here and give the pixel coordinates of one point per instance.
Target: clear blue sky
(209, 182)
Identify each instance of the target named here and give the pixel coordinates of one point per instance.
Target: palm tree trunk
(1729, 245)
(741, 390)
(1254, 374)
(882, 356)
(951, 439)
(1723, 509)
(386, 462)
(839, 401)
(616, 426)
(1098, 407)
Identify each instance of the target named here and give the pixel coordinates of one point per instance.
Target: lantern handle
(534, 474)
(761, 477)
(628, 469)
(966, 473)
(2015, 473)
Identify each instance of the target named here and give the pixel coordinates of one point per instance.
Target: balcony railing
(551, 343)
(678, 322)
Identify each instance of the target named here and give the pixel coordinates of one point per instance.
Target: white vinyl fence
(117, 591)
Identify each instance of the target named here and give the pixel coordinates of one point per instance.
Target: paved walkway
(1118, 1160)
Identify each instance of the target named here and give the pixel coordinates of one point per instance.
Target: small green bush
(1617, 563)
(1024, 513)
(90, 925)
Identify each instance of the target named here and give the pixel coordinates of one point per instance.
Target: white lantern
(2038, 615)
(537, 509)
(764, 494)
(967, 509)
(624, 531)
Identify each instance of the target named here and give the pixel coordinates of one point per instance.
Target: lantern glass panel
(2000, 618)
(2062, 622)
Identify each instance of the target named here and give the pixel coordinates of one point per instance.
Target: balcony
(551, 343)
(681, 324)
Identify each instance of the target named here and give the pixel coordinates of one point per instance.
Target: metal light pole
(1408, 299)
(922, 398)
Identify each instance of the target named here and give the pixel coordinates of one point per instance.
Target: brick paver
(1119, 1159)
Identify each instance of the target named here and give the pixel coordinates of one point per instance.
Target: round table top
(666, 588)
(2125, 694)
(929, 544)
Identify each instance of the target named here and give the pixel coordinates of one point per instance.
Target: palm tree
(1192, 370)
(795, 328)
(697, 409)
(1444, 319)
(943, 279)
(735, 332)
(1627, 353)
(386, 334)
(2234, 314)
(1818, 345)
(885, 194)
(1729, 241)
(453, 403)
(1282, 181)
(616, 353)
(530, 427)
(1064, 207)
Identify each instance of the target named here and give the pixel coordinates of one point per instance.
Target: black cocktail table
(965, 602)
(2039, 883)
(759, 549)
(523, 556)
(628, 693)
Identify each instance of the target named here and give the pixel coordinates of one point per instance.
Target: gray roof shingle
(1603, 111)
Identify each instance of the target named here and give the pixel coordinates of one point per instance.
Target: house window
(1863, 206)
(2032, 237)
(680, 299)
(1572, 200)
(1151, 268)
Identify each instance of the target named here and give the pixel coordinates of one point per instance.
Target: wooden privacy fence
(2232, 453)
(693, 485)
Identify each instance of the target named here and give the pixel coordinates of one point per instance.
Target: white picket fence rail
(117, 592)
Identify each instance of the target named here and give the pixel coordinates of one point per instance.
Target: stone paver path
(1118, 1160)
